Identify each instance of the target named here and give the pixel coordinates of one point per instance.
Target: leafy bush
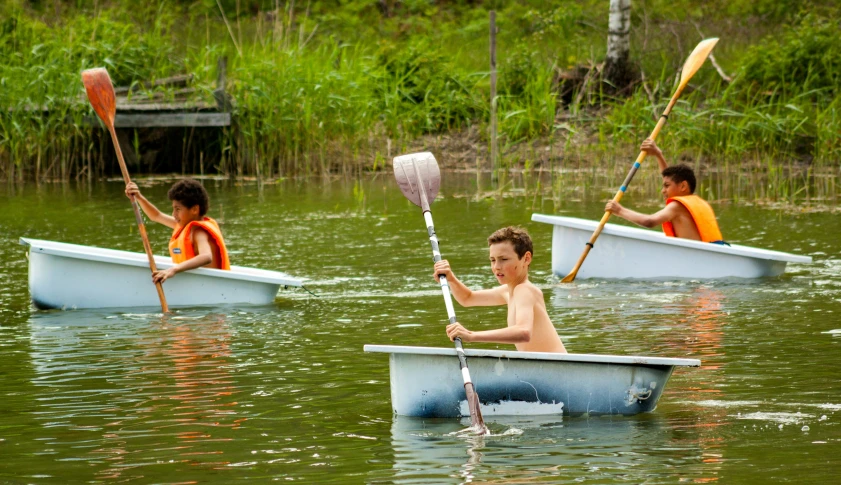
(806, 57)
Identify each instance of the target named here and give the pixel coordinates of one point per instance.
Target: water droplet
(804, 428)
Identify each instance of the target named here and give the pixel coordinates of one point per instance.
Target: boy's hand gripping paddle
(101, 95)
(690, 67)
(418, 176)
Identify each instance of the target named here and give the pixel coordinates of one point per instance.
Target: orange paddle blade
(101, 94)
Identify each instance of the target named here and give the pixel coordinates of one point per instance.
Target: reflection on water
(285, 393)
(699, 331)
(144, 379)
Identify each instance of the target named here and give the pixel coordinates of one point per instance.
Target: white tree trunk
(617, 69)
(619, 30)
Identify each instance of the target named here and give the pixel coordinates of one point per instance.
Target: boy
(529, 327)
(196, 240)
(686, 215)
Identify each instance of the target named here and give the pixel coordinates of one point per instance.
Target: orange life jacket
(701, 213)
(181, 242)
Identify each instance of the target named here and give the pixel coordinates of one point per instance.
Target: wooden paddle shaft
(635, 166)
(619, 193)
(141, 226)
(100, 93)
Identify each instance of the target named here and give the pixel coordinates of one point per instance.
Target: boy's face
(184, 215)
(674, 189)
(506, 265)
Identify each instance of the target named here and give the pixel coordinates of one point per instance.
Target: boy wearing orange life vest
(196, 239)
(686, 215)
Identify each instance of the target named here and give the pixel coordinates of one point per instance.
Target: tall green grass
(42, 97)
(339, 86)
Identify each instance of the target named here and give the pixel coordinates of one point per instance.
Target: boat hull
(427, 382)
(70, 276)
(628, 252)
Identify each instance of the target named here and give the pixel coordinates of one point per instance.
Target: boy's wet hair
(679, 173)
(189, 193)
(517, 236)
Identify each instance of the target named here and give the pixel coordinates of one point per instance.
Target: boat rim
(660, 238)
(128, 258)
(540, 356)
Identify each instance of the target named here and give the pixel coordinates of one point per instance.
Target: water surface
(285, 393)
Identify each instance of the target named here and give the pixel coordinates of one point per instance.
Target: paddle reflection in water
(159, 387)
(539, 449)
(698, 329)
(684, 319)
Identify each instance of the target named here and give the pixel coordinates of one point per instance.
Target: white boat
(70, 276)
(630, 252)
(427, 382)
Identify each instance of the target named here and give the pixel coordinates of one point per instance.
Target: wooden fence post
(493, 134)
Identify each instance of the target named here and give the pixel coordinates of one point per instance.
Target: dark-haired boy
(529, 327)
(686, 215)
(196, 239)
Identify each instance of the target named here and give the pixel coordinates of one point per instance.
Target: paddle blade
(407, 168)
(570, 277)
(696, 59)
(100, 93)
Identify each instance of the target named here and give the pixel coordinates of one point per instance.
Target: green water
(285, 393)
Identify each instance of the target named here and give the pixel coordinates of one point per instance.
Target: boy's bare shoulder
(528, 290)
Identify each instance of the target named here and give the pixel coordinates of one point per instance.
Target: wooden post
(291, 23)
(222, 100)
(278, 25)
(337, 63)
(494, 146)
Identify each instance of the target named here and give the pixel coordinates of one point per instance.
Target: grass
(321, 89)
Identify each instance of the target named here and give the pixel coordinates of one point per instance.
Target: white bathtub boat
(629, 252)
(427, 382)
(70, 276)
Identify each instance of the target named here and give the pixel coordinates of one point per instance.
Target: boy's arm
(203, 258)
(149, 209)
(464, 295)
(651, 148)
(520, 332)
(645, 220)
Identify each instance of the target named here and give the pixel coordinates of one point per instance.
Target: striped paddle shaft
(469, 389)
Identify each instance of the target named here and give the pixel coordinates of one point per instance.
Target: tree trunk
(618, 70)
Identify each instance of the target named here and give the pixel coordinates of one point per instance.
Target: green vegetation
(336, 85)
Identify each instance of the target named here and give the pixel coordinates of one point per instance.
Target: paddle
(101, 95)
(690, 67)
(418, 177)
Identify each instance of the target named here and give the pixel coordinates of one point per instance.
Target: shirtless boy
(196, 239)
(529, 327)
(686, 215)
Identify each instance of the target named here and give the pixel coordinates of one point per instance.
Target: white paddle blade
(408, 167)
(696, 59)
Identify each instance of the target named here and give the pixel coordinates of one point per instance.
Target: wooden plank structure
(144, 105)
(139, 111)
